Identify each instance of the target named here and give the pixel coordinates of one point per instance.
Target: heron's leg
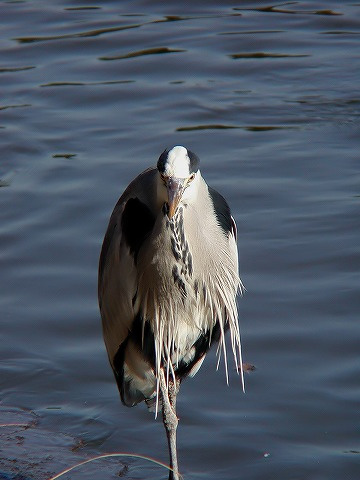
(170, 420)
(173, 389)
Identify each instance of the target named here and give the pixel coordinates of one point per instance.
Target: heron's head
(178, 171)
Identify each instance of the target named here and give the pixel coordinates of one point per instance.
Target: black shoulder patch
(137, 222)
(162, 160)
(194, 162)
(222, 210)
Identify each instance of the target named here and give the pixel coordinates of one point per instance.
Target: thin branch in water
(107, 455)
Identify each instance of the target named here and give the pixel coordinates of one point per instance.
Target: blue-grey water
(268, 96)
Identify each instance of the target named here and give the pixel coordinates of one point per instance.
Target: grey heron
(168, 281)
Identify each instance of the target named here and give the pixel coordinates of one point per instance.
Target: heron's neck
(179, 244)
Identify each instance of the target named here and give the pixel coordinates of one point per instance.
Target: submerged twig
(107, 455)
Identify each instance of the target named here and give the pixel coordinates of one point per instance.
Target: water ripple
(66, 36)
(267, 55)
(82, 8)
(276, 9)
(84, 84)
(219, 126)
(15, 69)
(251, 32)
(6, 107)
(146, 51)
(102, 31)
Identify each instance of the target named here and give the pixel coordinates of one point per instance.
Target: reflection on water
(267, 96)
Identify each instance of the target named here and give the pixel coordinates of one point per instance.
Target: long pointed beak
(175, 189)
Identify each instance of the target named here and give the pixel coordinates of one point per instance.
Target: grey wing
(129, 225)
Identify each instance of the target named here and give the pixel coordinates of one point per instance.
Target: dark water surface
(269, 97)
